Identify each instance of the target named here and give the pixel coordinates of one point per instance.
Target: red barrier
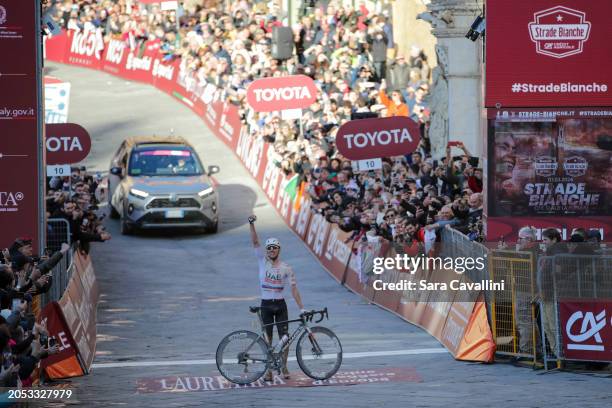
(55, 47)
(78, 305)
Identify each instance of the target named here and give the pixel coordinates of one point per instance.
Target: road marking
(364, 354)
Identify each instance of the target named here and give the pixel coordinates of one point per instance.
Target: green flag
(292, 187)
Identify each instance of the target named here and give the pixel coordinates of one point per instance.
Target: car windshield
(164, 161)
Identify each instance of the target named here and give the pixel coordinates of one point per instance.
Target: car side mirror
(213, 170)
(117, 171)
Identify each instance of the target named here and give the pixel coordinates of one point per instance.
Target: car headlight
(206, 192)
(138, 193)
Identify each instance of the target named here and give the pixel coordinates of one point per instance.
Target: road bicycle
(244, 356)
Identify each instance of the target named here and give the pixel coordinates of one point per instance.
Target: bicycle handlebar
(308, 316)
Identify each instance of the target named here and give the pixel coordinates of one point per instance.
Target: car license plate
(174, 214)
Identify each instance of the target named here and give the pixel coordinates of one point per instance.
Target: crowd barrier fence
(575, 308)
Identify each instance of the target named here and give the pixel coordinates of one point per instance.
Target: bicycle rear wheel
(242, 357)
(319, 353)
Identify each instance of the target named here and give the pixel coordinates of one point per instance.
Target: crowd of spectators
(24, 275)
(351, 55)
(73, 199)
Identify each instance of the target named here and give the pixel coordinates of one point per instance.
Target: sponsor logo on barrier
(317, 233)
(227, 130)
(161, 70)
(270, 180)
(586, 328)
(114, 52)
(86, 43)
(211, 114)
(559, 31)
(336, 248)
(299, 219)
(9, 201)
(283, 199)
(134, 64)
(210, 94)
(250, 152)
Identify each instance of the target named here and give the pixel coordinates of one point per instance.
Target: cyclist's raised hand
(252, 219)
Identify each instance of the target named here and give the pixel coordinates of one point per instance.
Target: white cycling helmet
(272, 242)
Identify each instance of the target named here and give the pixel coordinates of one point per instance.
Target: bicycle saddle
(254, 309)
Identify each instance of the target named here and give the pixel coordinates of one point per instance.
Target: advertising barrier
(460, 325)
(586, 328)
(72, 321)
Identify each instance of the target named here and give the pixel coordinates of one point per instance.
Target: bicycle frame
(272, 356)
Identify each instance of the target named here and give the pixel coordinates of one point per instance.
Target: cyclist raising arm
(274, 275)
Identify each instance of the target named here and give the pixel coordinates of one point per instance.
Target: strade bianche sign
(540, 53)
(275, 94)
(382, 137)
(559, 31)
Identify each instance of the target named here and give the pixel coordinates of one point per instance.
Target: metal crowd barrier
(455, 244)
(572, 279)
(513, 313)
(58, 232)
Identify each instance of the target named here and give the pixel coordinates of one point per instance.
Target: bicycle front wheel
(319, 353)
(242, 357)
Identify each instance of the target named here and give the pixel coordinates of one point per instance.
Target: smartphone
(16, 304)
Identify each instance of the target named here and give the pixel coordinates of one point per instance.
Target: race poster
(560, 167)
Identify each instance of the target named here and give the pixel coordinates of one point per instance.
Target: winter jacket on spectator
(398, 76)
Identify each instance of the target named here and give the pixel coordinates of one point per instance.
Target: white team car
(159, 181)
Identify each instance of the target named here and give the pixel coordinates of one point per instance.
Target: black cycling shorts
(272, 311)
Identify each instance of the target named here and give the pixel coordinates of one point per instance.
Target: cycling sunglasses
(271, 247)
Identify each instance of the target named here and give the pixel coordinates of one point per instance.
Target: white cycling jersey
(273, 279)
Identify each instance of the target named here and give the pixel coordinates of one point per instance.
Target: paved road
(168, 298)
